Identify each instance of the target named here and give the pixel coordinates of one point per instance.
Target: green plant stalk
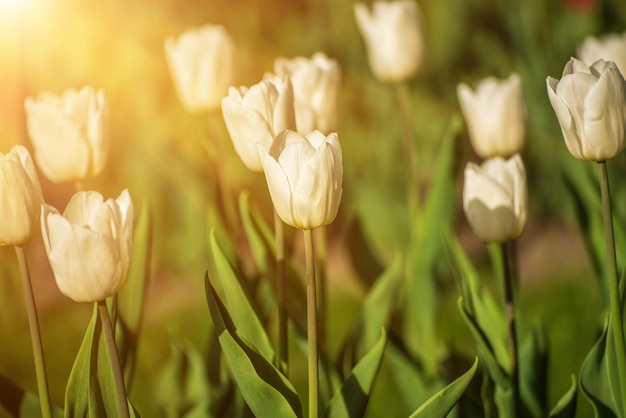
(408, 142)
(35, 335)
(311, 310)
(109, 336)
(509, 305)
(282, 358)
(611, 264)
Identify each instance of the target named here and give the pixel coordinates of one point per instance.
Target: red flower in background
(581, 5)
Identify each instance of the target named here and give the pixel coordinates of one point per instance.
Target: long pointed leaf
(566, 406)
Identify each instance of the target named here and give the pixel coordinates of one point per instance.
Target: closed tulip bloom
(495, 198)
(304, 175)
(590, 104)
(202, 63)
(609, 47)
(89, 246)
(316, 83)
(495, 114)
(393, 38)
(21, 197)
(69, 133)
(258, 114)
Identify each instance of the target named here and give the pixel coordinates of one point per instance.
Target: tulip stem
(282, 357)
(35, 335)
(311, 309)
(509, 301)
(120, 388)
(616, 303)
(412, 177)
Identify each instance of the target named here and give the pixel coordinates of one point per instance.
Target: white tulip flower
(590, 104)
(316, 84)
(69, 133)
(256, 115)
(495, 114)
(609, 47)
(304, 175)
(392, 32)
(202, 64)
(495, 198)
(21, 199)
(89, 245)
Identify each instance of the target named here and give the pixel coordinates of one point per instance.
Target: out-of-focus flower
(316, 83)
(609, 47)
(495, 198)
(495, 115)
(590, 104)
(21, 199)
(70, 133)
(304, 175)
(202, 63)
(89, 246)
(258, 114)
(393, 38)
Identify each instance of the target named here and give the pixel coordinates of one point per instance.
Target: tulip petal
(565, 118)
(278, 185)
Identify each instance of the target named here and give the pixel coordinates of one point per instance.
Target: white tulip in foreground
(304, 176)
(89, 245)
(393, 38)
(495, 198)
(256, 115)
(21, 198)
(590, 104)
(316, 84)
(202, 63)
(495, 114)
(70, 133)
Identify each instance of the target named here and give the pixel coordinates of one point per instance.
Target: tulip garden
(313, 208)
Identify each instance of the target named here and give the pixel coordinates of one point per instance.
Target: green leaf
(266, 391)
(130, 300)
(258, 247)
(17, 402)
(244, 317)
(566, 406)
(440, 404)
(534, 372)
(351, 400)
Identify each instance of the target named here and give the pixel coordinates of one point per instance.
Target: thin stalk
(120, 388)
(611, 264)
(281, 289)
(35, 335)
(509, 301)
(319, 241)
(408, 143)
(311, 310)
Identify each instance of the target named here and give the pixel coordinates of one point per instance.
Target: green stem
(282, 357)
(408, 142)
(311, 309)
(35, 335)
(509, 301)
(120, 388)
(616, 303)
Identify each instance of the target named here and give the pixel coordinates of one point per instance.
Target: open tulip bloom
(495, 114)
(590, 104)
(495, 198)
(304, 175)
(70, 133)
(89, 245)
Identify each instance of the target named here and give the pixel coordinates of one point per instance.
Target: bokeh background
(163, 155)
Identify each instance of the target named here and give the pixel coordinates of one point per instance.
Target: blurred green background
(161, 154)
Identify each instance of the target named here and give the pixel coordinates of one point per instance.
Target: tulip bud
(202, 63)
(70, 134)
(21, 197)
(590, 104)
(495, 198)
(609, 47)
(89, 246)
(304, 176)
(495, 115)
(258, 114)
(316, 82)
(393, 38)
